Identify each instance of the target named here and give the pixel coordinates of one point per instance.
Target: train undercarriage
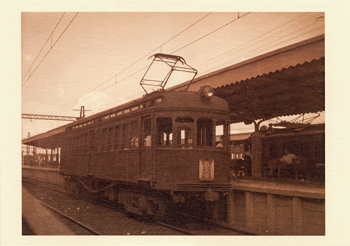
(145, 201)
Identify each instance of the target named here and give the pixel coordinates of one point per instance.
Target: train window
(185, 139)
(134, 134)
(98, 140)
(104, 139)
(86, 141)
(184, 132)
(117, 137)
(110, 139)
(126, 137)
(147, 132)
(205, 132)
(164, 131)
(92, 140)
(81, 143)
(219, 131)
(156, 101)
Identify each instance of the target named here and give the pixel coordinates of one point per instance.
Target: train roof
(165, 100)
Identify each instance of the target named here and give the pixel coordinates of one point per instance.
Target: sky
(96, 60)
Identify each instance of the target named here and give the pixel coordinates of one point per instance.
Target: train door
(145, 160)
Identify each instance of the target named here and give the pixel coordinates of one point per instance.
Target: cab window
(164, 131)
(185, 139)
(184, 132)
(204, 132)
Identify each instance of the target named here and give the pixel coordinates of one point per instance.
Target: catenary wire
(264, 46)
(186, 46)
(211, 32)
(51, 47)
(255, 38)
(178, 50)
(43, 46)
(171, 53)
(148, 54)
(183, 47)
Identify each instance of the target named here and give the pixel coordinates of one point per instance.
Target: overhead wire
(150, 53)
(191, 42)
(186, 44)
(240, 17)
(211, 32)
(43, 46)
(147, 55)
(260, 47)
(253, 39)
(51, 48)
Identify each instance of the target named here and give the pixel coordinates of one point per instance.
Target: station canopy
(47, 140)
(294, 90)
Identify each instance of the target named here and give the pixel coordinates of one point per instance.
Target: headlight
(206, 91)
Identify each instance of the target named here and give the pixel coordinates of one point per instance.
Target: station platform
(57, 169)
(307, 189)
(277, 207)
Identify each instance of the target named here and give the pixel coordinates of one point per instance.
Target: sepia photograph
(200, 125)
(178, 123)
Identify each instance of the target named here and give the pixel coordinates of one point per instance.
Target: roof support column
(256, 154)
(51, 157)
(58, 160)
(46, 157)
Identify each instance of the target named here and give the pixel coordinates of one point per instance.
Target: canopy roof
(294, 90)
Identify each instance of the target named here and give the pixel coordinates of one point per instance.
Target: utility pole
(82, 111)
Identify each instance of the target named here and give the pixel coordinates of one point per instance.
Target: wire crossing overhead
(49, 117)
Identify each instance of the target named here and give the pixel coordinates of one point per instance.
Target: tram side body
(157, 151)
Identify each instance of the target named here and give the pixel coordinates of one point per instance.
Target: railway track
(76, 222)
(83, 212)
(99, 218)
